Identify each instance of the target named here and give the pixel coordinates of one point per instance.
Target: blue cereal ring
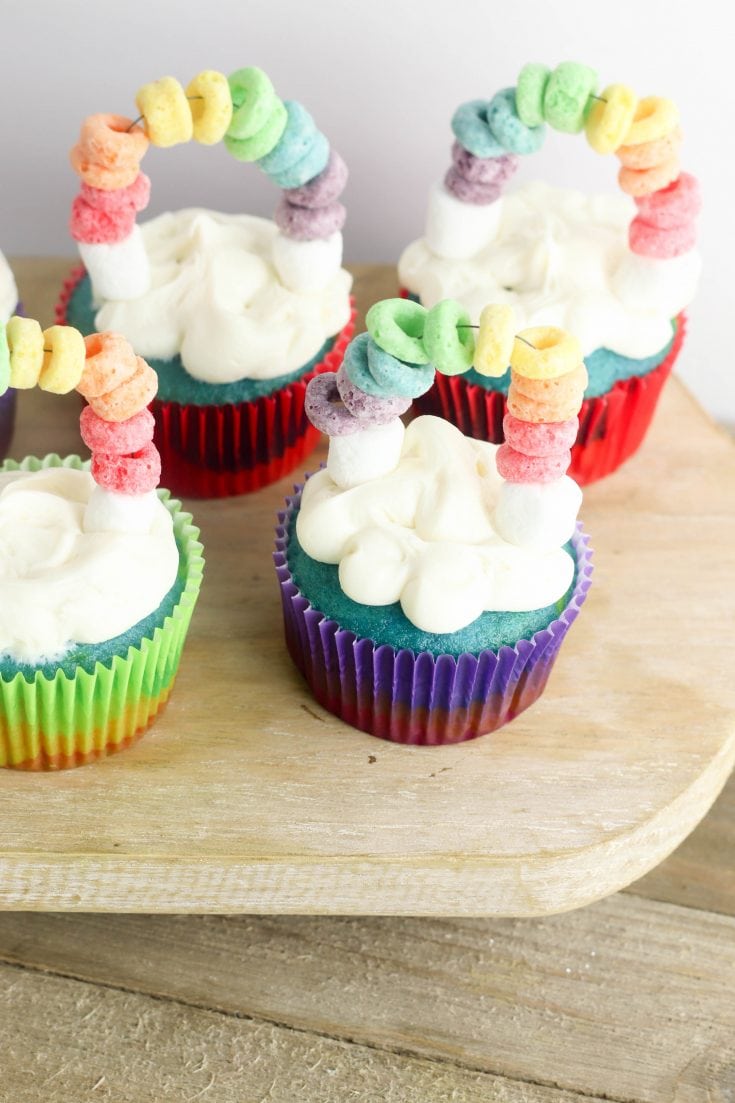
(470, 128)
(357, 367)
(395, 376)
(448, 338)
(294, 142)
(504, 121)
(311, 164)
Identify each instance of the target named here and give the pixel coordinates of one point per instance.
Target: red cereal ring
(515, 467)
(680, 202)
(116, 438)
(655, 241)
(110, 361)
(135, 474)
(92, 226)
(129, 397)
(136, 195)
(539, 438)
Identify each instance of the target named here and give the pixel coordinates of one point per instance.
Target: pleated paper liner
(418, 698)
(218, 451)
(57, 722)
(7, 421)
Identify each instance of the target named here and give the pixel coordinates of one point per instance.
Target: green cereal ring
(532, 81)
(509, 129)
(567, 96)
(397, 326)
(262, 142)
(253, 102)
(449, 339)
(4, 360)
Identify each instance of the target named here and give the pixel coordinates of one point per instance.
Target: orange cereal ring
(654, 118)
(648, 154)
(637, 182)
(130, 397)
(547, 400)
(99, 176)
(112, 141)
(110, 361)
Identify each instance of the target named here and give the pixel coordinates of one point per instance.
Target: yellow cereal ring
(25, 343)
(495, 340)
(637, 182)
(165, 108)
(654, 118)
(647, 154)
(63, 359)
(609, 117)
(544, 352)
(211, 106)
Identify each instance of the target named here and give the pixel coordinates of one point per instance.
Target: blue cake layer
(174, 382)
(388, 624)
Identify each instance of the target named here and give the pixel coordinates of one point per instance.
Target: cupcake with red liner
(99, 570)
(234, 313)
(8, 304)
(428, 578)
(618, 271)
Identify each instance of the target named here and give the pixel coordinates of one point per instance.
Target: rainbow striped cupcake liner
(58, 722)
(417, 697)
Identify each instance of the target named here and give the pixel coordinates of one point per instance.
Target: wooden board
(246, 796)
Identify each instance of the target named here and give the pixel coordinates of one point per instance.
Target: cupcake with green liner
(429, 579)
(99, 570)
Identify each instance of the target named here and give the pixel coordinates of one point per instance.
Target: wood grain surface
(628, 999)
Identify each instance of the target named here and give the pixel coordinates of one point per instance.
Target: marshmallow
(120, 270)
(457, 230)
(305, 266)
(368, 454)
(108, 511)
(667, 286)
(539, 516)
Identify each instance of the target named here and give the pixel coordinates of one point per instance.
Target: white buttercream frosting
(216, 298)
(8, 290)
(561, 258)
(424, 535)
(60, 584)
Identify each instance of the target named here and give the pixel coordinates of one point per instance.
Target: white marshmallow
(458, 230)
(662, 285)
(305, 266)
(120, 270)
(107, 511)
(368, 454)
(539, 516)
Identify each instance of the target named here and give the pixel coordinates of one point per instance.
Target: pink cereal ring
(138, 473)
(518, 468)
(112, 141)
(127, 398)
(116, 438)
(540, 438)
(637, 182)
(94, 227)
(367, 408)
(655, 241)
(680, 202)
(136, 195)
(647, 154)
(110, 361)
(325, 409)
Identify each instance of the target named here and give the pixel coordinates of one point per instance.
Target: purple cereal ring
(484, 170)
(324, 188)
(325, 409)
(304, 224)
(470, 191)
(368, 408)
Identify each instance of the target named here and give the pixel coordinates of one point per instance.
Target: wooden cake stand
(246, 796)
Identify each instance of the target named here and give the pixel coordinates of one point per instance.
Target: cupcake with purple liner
(8, 306)
(425, 596)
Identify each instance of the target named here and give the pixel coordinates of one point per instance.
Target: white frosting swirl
(8, 290)
(562, 258)
(60, 584)
(424, 535)
(216, 298)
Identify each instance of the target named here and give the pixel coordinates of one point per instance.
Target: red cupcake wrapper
(235, 448)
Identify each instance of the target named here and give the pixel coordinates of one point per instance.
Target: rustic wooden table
(627, 999)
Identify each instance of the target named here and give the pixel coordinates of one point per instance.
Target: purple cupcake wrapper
(7, 420)
(411, 697)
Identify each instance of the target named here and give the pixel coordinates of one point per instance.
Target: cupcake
(99, 571)
(618, 271)
(8, 303)
(234, 313)
(428, 578)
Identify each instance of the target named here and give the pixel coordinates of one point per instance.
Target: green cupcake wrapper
(53, 723)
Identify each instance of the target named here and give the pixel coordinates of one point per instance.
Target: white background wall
(382, 78)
